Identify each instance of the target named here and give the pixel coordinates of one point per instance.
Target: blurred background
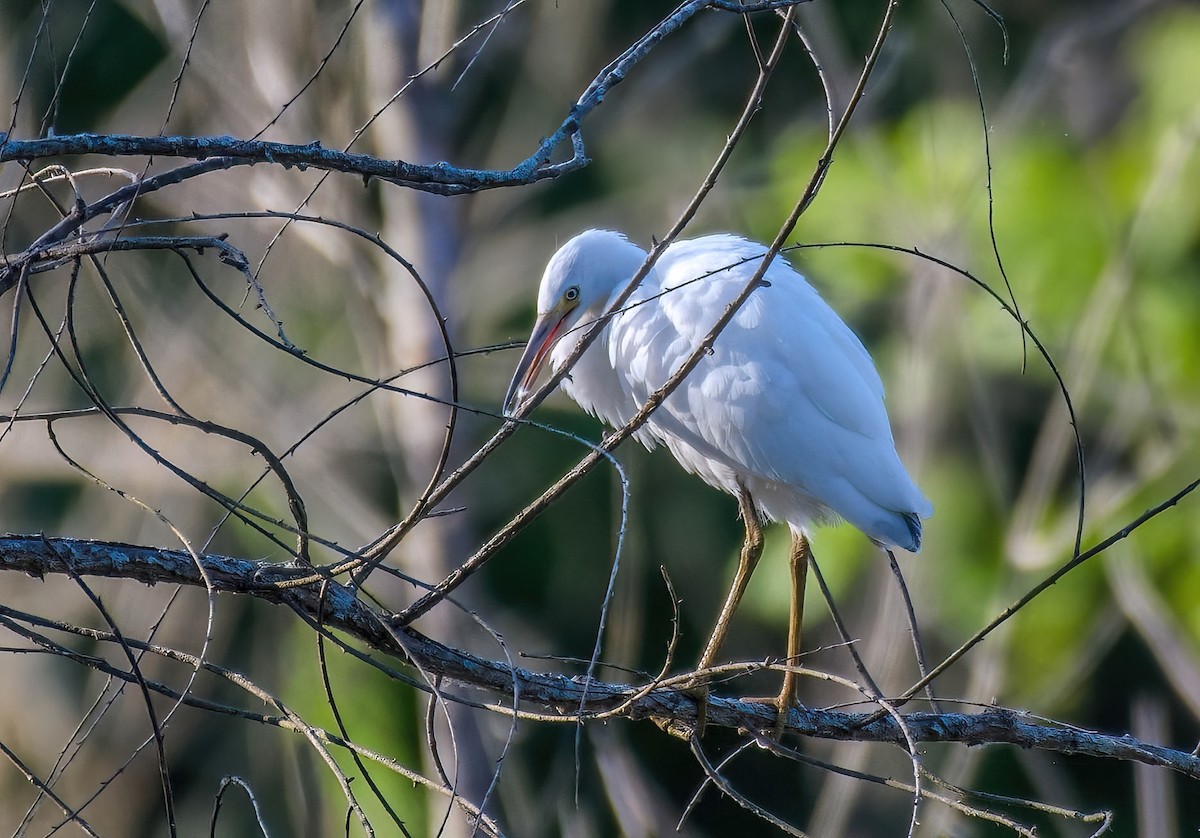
(1092, 121)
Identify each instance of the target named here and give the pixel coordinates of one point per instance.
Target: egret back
(787, 404)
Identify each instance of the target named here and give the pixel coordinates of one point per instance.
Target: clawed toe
(683, 730)
(782, 706)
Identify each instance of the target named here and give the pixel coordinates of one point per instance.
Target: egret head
(577, 285)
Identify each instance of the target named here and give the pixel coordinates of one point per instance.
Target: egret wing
(788, 393)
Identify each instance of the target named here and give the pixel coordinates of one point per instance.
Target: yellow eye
(571, 294)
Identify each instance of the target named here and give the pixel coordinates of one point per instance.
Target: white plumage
(788, 405)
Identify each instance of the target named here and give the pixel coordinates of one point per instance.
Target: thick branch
(440, 178)
(40, 555)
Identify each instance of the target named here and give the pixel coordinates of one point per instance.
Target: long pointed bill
(545, 332)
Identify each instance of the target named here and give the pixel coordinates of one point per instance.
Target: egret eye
(571, 294)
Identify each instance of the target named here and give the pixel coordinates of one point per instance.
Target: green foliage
(1075, 219)
(378, 712)
(108, 57)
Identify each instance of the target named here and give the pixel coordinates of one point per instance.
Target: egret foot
(782, 708)
(752, 549)
(700, 693)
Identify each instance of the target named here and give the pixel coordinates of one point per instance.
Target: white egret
(785, 412)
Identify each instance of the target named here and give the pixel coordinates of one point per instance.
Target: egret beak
(545, 333)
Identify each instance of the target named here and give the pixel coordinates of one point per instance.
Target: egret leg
(798, 560)
(752, 549)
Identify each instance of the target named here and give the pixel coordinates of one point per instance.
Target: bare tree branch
(438, 178)
(341, 610)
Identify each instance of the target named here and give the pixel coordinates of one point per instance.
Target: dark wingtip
(913, 521)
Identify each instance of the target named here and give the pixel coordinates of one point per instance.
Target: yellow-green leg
(798, 560)
(752, 549)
